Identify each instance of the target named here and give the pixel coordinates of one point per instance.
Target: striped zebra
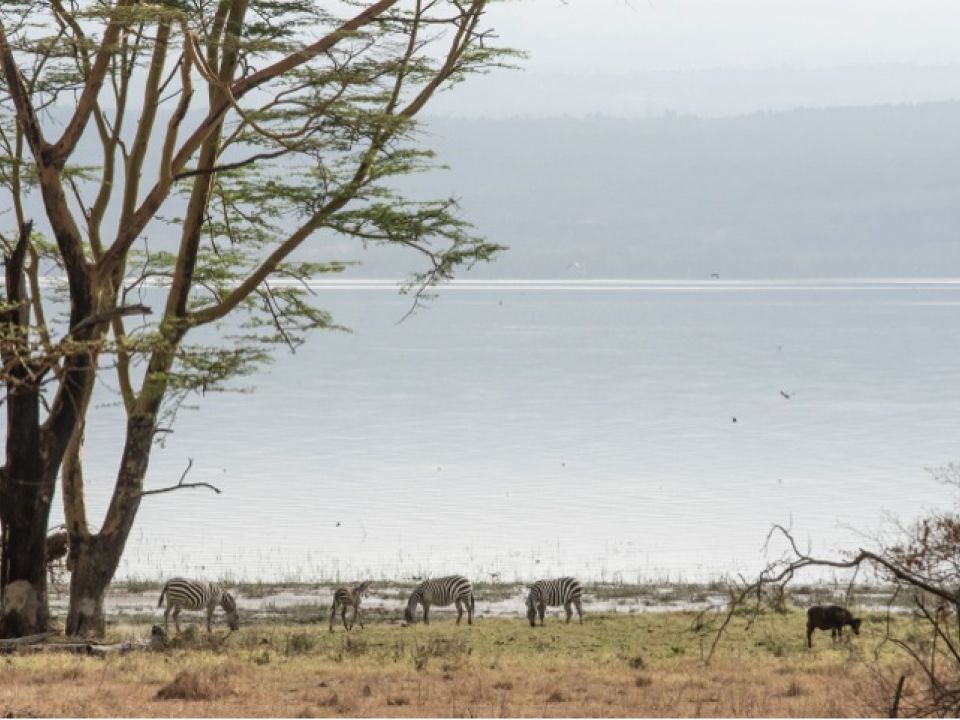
(344, 598)
(441, 591)
(183, 594)
(550, 593)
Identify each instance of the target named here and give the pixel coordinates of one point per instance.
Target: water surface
(526, 429)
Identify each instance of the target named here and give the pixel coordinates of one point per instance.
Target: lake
(612, 430)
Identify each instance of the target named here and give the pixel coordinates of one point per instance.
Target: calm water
(530, 429)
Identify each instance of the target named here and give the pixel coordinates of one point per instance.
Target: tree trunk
(91, 570)
(94, 558)
(26, 488)
(25, 498)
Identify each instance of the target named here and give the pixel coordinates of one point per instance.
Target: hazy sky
(644, 35)
(760, 54)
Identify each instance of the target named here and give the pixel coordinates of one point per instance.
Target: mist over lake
(522, 429)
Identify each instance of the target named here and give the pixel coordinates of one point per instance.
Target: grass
(612, 665)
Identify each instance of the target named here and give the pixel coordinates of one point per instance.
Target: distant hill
(867, 192)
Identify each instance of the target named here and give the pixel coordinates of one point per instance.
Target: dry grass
(497, 668)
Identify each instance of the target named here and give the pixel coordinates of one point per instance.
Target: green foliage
(315, 150)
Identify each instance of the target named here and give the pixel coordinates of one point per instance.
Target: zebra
(564, 591)
(441, 591)
(344, 599)
(183, 594)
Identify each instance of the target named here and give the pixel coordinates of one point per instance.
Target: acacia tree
(239, 132)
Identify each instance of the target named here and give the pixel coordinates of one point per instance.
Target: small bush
(188, 685)
(397, 700)
(556, 696)
(262, 658)
(299, 643)
(637, 662)
(642, 681)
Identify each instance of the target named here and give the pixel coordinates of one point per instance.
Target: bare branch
(181, 485)
(109, 315)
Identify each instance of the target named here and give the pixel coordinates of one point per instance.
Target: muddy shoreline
(310, 602)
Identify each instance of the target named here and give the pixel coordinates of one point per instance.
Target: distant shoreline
(601, 283)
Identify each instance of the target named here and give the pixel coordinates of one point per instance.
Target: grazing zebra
(185, 594)
(442, 591)
(562, 591)
(344, 599)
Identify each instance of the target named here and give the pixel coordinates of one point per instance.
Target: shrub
(189, 685)
(299, 643)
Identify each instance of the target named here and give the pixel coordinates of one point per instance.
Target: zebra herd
(183, 594)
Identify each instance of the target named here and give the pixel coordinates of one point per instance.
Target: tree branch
(62, 148)
(109, 315)
(181, 485)
(151, 203)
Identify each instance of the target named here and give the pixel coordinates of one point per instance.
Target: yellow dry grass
(639, 665)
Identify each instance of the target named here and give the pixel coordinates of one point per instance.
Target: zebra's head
(363, 587)
(230, 607)
(408, 617)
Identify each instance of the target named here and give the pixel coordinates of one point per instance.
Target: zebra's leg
(542, 610)
(210, 609)
(333, 614)
(356, 616)
(470, 610)
(176, 619)
(568, 610)
(459, 611)
(579, 605)
(343, 616)
(166, 617)
(426, 614)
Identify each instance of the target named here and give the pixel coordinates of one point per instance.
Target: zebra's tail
(162, 593)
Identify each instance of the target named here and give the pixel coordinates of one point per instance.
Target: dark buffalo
(832, 618)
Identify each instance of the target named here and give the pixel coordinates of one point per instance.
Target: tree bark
(24, 511)
(94, 558)
(25, 492)
(90, 573)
